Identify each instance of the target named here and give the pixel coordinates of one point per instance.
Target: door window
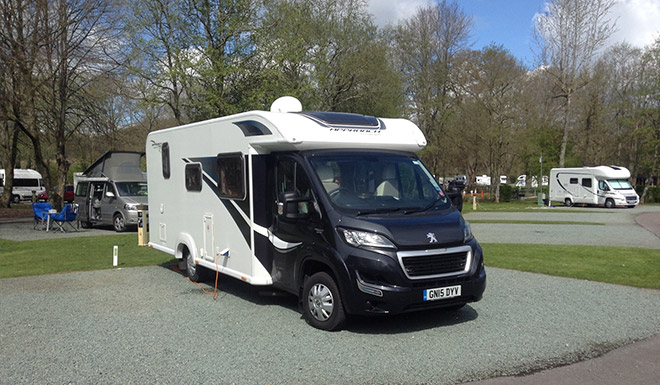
(290, 177)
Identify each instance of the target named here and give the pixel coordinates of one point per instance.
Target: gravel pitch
(151, 325)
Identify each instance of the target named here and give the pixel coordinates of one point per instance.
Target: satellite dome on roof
(286, 104)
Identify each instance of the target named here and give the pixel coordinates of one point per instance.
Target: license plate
(442, 293)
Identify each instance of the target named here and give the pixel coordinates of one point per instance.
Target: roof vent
(286, 104)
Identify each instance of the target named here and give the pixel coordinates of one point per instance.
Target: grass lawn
(74, 254)
(619, 265)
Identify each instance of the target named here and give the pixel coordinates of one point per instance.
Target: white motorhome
(26, 182)
(603, 185)
(334, 208)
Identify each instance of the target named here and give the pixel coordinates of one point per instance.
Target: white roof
(289, 131)
(602, 172)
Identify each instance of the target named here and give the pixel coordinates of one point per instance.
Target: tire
(16, 199)
(193, 270)
(85, 224)
(119, 223)
(568, 202)
(609, 203)
(321, 302)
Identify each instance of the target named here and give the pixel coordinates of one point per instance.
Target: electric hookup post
(143, 224)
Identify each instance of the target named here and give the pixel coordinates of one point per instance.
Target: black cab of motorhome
(372, 232)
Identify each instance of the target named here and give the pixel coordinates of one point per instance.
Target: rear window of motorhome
(20, 182)
(165, 153)
(231, 176)
(586, 182)
(194, 177)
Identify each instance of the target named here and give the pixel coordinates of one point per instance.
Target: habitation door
(209, 242)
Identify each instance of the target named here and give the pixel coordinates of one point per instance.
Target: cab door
(291, 235)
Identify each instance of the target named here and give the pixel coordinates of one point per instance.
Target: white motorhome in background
(26, 182)
(482, 180)
(603, 185)
(334, 208)
(521, 181)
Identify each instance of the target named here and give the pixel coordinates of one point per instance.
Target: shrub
(506, 192)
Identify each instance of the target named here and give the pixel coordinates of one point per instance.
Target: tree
(20, 43)
(426, 46)
(569, 34)
(330, 55)
(490, 82)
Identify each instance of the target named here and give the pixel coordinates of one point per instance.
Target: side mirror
(109, 194)
(292, 206)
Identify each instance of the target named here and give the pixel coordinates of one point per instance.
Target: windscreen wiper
(422, 209)
(382, 210)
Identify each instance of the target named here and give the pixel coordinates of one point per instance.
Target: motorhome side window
(574, 181)
(586, 182)
(193, 177)
(231, 176)
(165, 153)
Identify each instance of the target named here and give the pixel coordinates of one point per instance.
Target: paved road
(615, 227)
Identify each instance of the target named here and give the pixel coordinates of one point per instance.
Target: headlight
(365, 239)
(467, 231)
(130, 207)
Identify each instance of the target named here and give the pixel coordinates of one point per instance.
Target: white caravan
(334, 208)
(26, 182)
(603, 185)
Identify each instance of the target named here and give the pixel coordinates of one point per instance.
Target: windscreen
(132, 189)
(619, 184)
(378, 183)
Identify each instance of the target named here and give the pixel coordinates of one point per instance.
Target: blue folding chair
(40, 210)
(67, 215)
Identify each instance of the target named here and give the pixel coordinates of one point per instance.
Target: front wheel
(322, 305)
(609, 203)
(568, 202)
(119, 223)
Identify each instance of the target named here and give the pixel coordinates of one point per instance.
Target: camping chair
(67, 215)
(40, 210)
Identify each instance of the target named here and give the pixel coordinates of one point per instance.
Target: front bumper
(379, 286)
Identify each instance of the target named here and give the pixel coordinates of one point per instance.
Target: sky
(510, 22)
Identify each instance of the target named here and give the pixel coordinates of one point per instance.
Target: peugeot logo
(431, 237)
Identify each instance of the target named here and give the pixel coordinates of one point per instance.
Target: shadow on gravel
(411, 322)
(264, 296)
(393, 324)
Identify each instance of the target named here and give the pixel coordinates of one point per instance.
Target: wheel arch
(185, 241)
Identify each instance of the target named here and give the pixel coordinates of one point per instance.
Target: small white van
(26, 182)
(603, 186)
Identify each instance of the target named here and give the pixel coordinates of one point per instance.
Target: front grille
(436, 263)
(631, 199)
